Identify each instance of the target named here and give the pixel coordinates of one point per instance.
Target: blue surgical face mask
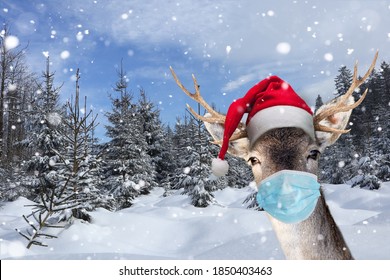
(289, 196)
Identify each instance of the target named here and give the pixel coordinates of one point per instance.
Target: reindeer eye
(253, 161)
(314, 155)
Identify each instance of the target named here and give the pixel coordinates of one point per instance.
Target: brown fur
(318, 237)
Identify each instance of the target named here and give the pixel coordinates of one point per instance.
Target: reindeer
(292, 148)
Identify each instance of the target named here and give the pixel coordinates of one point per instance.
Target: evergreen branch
(52, 226)
(27, 221)
(48, 236)
(22, 234)
(38, 243)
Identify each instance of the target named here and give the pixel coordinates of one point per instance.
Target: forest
(50, 154)
(362, 156)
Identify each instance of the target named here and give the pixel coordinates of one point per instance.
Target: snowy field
(158, 227)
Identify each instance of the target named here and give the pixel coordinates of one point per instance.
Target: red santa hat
(272, 103)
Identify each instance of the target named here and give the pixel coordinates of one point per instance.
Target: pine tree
(181, 143)
(44, 139)
(77, 161)
(168, 163)
(384, 112)
(343, 80)
(193, 174)
(385, 80)
(319, 103)
(375, 164)
(152, 129)
(65, 190)
(361, 157)
(45, 134)
(128, 164)
(240, 174)
(338, 162)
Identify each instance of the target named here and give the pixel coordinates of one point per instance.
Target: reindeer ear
(238, 148)
(336, 122)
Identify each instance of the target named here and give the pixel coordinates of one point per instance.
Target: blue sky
(228, 45)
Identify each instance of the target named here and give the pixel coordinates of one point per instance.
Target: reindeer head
(295, 143)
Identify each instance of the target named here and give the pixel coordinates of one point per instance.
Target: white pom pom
(219, 167)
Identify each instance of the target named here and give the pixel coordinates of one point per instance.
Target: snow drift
(158, 227)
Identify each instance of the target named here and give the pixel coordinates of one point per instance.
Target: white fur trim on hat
(279, 117)
(219, 167)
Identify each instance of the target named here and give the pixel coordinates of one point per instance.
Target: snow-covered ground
(158, 227)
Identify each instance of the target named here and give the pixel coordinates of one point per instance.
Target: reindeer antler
(342, 103)
(212, 116)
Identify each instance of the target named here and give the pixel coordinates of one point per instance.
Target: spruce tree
(152, 130)
(77, 161)
(45, 136)
(319, 103)
(385, 80)
(343, 80)
(168, 163)
(193, 176)
(44, 140)
(128, 165)
(67, 189)
(361, 157)
(384, 88)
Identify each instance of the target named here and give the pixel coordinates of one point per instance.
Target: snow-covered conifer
(127, 162)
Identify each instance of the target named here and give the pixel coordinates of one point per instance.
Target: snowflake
(11, 42)
(283, 48)
(328, 57)
(54, 118)
(65, 54)
(228, 49)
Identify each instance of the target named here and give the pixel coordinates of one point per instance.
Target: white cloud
(206, 28)
(232, 44)
(240, 81)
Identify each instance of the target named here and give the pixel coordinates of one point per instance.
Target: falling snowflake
(79, 36)
(54, 118)
(228, 49)
(65, 54)
(11, 42)
(12, 87)
(328, 57)
(283, 48)
(270, 13)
